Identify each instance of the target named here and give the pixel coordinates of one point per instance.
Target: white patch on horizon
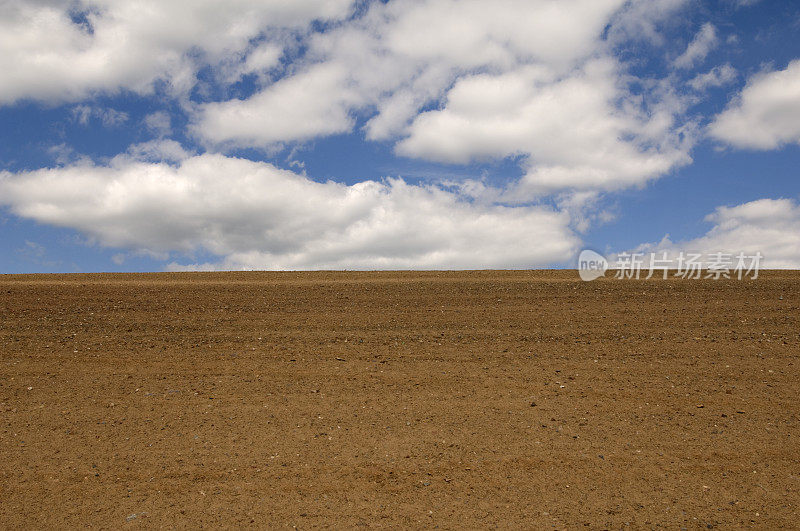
(768, 226)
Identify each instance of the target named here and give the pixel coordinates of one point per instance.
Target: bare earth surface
(478, 399)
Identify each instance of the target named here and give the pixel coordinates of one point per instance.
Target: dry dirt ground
(457, 400)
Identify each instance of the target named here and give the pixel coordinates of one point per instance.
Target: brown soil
(479, 399)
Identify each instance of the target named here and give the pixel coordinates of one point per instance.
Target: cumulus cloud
(703, 42)
(569, 129)
(83, 114)
(768, 226)
(766, 115)
(259, 61)
(642, 20)
(400, 56)
(158, 122)
(157, 150)
(451, 81)
(61, 50)
(253, 215)
(716, 77)
(294, 108)
(530, 79)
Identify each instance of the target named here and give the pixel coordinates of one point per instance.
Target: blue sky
(178, 135)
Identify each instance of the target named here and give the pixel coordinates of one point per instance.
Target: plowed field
(458, 400)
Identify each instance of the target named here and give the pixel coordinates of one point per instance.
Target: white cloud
(766, 115)
(585, 208)
(295, 108)
(643, 20)
(108, 117)
(158, 150)
(703, 42)
(253, 215)
(260, 60)
(48, 52)
(768, 226)
(514, 78)
(400, 56)
(570, 129)
(159, 122)
(82, 114)
(716, 77)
